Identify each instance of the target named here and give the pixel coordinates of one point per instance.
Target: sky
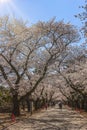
(42, 10)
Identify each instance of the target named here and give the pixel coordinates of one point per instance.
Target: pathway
(52, 119)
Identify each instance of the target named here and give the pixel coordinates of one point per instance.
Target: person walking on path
(60, 104)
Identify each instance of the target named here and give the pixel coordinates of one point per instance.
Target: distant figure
(13, 117)
(46, 106)
(60, 105)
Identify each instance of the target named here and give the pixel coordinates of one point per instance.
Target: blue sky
(35, 10)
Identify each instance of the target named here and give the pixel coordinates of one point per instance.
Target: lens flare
(4, 1)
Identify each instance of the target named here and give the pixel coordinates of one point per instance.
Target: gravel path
(52, 119)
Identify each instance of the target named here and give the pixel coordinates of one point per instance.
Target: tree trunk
(16, 108)
(28, 104)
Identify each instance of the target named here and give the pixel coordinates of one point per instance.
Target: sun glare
(9, 7)
(4, 1)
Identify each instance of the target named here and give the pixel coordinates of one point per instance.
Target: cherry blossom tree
(74, 88)
(29, 54)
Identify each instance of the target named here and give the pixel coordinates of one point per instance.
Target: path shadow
(51, 120)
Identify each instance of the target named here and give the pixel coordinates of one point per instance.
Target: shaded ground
(51, 119)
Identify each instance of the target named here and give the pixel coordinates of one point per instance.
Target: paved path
(52, 119)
